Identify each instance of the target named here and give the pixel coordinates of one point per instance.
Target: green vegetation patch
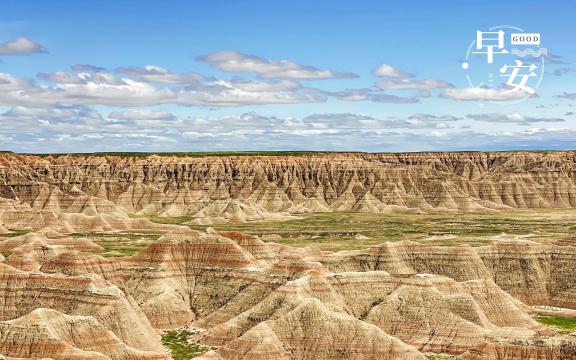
(178, 220)
(433, 356)
(564, 325)
(120, 244)
(14, 233)
(177, 342)
(342, 231)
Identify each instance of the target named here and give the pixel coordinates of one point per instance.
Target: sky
(378, 76)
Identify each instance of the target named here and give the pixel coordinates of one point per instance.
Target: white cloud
(375, 96)
(71, 128)
(386, 70)
(273, 85)
(142, 114)
(433, 117)
(105, 88)
(407, 84)
(87, 67)
(53, 115)
(514, 117)
(340, 120)
(83, 78)
(12, 83)
(567, 95)
(152, 73)
(21, 46)
(479, 93)
(353, 94)
(232, 61)
(393, 99)
(364, 122)
(563, 71)
(248, 122)
(226, 93)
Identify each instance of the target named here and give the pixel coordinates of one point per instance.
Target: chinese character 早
(490, 40)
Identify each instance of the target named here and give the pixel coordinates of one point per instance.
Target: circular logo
(505, 63)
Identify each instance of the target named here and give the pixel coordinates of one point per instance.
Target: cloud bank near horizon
(62, 110)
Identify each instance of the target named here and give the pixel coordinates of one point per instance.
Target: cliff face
(222, 188)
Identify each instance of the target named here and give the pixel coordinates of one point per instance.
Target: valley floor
(402, 282)
(345, 231)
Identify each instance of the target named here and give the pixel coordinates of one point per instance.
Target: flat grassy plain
(564, 325)
(120, 244)
(347, 231)
(341, 231)
(433, 356)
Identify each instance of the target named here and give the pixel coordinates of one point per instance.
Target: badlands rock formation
(255, 300)
(86, 313)
(96, 192)
(531, 272)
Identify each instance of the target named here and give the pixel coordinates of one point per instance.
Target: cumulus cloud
(21, 46)
(480, 93)
(98, 78)
(430, 121)
(226, 93)
(562, 71)
(340, 120)
(25, 125)
(434, 117)
(107, 88)
(70, 128)
(364, 122)
(393, 99)
(549, 58)
(390, 71)
(247, 123)
(408, 84)
(13, 83)
(152, 73)
(272, 85)
(515, 118)
(54, 115)
(567, 95)
(375, 96)
(90, 88)
(353, 94)
(154, 85)
(87, 67)
(232, 61)
(140, 120)
(142, 114)
(554, 59)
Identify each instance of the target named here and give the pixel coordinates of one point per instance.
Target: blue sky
(261, 75)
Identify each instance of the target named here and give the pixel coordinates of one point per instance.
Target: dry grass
(339, 231)
(120, 244)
